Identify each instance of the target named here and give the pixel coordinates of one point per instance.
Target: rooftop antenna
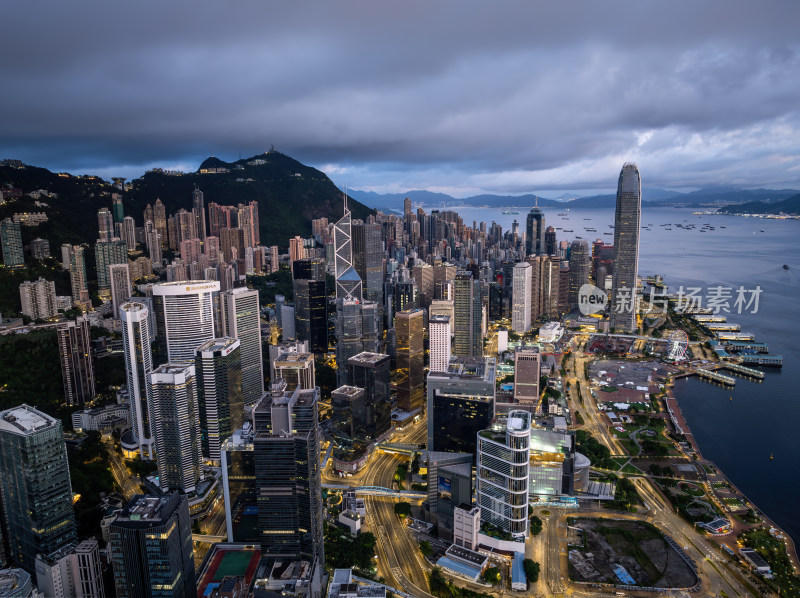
(345, 199)
(536, 197)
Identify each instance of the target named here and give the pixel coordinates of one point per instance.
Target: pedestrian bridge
(397, 448)
(378, 491)
(209, 539)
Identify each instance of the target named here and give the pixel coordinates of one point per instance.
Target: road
(122, 475)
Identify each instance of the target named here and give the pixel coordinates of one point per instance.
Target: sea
(763, 418)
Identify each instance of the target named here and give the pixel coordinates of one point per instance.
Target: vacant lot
(637, 546)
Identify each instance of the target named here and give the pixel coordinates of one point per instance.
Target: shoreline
(682, 427)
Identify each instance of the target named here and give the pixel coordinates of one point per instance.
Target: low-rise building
(103, 419)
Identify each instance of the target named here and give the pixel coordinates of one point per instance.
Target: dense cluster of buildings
(405, 326)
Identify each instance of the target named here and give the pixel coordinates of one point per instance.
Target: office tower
(136, 341)
(77, 274)
(348, 282)
(239, 485)
(522, 290)
(128, 233)
(40, 249)
(287, 321)
(410, 360)
(117, 209)
(552, 463)
(121, 289)
(240, 316)
(77, 369)
(105, 224)
(36, 488)
(38, 299)
(218, 365)
(74, 570)
(627, 218)
(295, 368)
(349, 416)
(11, 242)
(579, 267)
(311, 303)
(175, 426)
(160, 221)
(527, 369)
(460, 403)
(534, 238)
(371, 371)
(468, 340)
(184, 318)
(150, 548)
(503, 473)
(286, 452)
(550, 244)
(439, 335)
(349, 332)
(107, 253)
(368, 259)
(199, 213)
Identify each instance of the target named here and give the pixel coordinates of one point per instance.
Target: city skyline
(532, 103)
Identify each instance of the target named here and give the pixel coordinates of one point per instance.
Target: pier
(736, 336)
(745, 371)
(771, 360)
(706, 318)
(724, 327)
(745, 347)
(716, 377)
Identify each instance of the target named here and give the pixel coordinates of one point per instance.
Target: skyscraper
(348, 282)
(38, 298)
(184, 318)
(468, 337)
(550, 244)
(527, 369)
(77, 274)
(150, 545)
(160, 221)
(311, 303)
(410, 360)
(522, 291)
(199, 212)
(460, 403)
(105, 224)
(627, 219)
(11, 243)
(579, 268)
(176, 427)
(439, 334)
(117, 209)
(535, 233)
(371, 371)
(121, 289)
(136, 340)
(239, 309)
(128, 233)
(74, 570)
(35, 484)
(502, 473)
(218, 365)
(106, 253)
(368, 259)
(287, 471)
(77, 368)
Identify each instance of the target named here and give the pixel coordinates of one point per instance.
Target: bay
(763, 419)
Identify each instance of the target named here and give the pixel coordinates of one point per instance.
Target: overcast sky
(460, 97)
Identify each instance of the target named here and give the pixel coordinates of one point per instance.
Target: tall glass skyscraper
(467, 338)
(185, 318)
(137, 340)
(535, 232)
(35, 484)
(240, 320)
(626, 249)
(410, 360)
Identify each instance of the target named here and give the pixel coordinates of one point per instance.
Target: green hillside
(787, 206)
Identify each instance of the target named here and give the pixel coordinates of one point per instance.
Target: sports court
(228, 560)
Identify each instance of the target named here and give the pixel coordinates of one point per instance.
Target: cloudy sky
(460, 97)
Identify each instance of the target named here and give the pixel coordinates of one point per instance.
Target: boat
(786, 266)
(771, 457)
(730, 398)
(568, 230)
(608, 234)
(506, 212)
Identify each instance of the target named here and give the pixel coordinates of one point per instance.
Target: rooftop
(216, 345)
(366, 357)
(144, 508)
(25, 419)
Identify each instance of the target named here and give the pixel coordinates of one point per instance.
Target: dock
(724, 327)
(736, 336)
(716, 377)
(706, 318)
(745, 347)
(745, 371)
(770, 360)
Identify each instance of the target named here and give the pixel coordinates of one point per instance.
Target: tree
(531, 570)
(425, 548)
(402, 509)
(491, 575)
(536, 525)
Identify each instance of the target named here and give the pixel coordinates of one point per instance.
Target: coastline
(682, 427)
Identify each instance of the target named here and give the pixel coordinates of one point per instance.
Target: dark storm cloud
(456, 96)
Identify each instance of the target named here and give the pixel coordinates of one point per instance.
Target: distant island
(790, 205)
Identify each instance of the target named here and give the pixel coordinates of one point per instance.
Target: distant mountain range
(790, 205)
(708, 197)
